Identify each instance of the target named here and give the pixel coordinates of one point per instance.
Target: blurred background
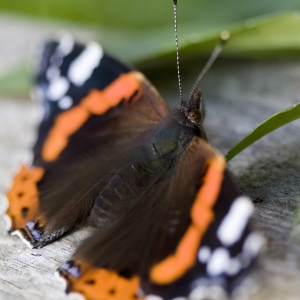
(257, 75)
(141, 32)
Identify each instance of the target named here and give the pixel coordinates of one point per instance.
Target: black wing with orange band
(96, 110)
(110, 153)
(187, 237)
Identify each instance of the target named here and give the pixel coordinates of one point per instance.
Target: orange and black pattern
(168, 219)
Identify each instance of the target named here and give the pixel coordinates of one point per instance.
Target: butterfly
(169, 222)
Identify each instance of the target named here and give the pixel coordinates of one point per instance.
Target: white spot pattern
(204, 254)
(82, 68)
(65, 102)
(66, 44)
(233, 267)
(235, 221)
(218, 262)
(57, 88)
(59, 85)
(52, 72)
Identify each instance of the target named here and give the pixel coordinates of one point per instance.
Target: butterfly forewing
(81, 147)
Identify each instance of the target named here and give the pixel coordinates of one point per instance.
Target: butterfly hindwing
(84, 145)
(216, 250)
(174, 242)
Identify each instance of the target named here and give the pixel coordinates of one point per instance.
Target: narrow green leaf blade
(279, 119)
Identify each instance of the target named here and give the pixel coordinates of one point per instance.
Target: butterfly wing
(213, 252)
(188, 236)
(96, 110)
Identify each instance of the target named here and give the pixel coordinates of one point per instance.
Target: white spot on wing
(57, 88)
(235, 221)
(66, 44)
(81, 69)
(52, 72)
(65, 103)
(253, 244)
(233, 267)
(204, 254)
(218, 262)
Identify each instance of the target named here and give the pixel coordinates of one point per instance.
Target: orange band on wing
(126, 88)
(99, 283)
(22, 198)
(174, 266)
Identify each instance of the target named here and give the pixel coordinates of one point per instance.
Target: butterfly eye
(195, 116)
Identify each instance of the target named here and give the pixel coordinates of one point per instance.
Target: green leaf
(141, 15)
(274, 122)
(267, 37)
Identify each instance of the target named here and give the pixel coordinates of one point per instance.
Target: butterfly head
(194, 108)
(191, 112)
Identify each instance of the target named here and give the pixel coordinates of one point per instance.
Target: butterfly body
(168, 218)
(153, 159)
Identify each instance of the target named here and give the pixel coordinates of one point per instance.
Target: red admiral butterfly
(169, 222)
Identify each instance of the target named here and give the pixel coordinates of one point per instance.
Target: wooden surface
(239, 95)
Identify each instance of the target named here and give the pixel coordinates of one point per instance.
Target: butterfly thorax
(168, 138)
(185, 122)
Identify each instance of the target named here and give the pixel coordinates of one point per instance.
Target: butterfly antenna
(224, 37)
(177, 48)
